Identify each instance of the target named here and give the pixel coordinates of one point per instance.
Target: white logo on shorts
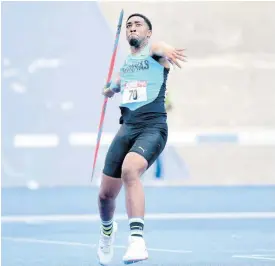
(142, 149)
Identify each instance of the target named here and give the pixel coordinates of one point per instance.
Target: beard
(134, 42)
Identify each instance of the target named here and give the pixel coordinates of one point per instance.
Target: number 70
(133, 94)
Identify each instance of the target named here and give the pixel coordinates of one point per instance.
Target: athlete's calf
(133, 167)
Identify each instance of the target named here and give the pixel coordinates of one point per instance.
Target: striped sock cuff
(107, 227)
(136, 232)
(136, 220)
(136, 226)
(107, 223)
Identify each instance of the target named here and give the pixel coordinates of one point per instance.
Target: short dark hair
(148, 22)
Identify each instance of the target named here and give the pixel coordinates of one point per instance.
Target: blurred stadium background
(55, 58)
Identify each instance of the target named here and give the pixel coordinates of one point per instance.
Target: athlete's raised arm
(166, 51)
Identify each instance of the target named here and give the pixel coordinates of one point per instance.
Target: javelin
(111, 68)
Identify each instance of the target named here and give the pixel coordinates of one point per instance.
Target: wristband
(114, 87)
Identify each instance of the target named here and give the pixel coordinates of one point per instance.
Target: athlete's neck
(136, 50)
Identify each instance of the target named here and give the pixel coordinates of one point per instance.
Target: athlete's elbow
(158, 48)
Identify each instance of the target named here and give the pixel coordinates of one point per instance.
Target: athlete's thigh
(116, 153)
(150, 143)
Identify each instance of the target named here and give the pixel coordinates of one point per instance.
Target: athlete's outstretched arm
(167, 51)
(113, 87)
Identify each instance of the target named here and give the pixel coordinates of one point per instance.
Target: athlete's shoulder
(157, 55)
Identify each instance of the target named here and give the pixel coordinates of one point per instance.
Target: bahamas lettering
(142, 65)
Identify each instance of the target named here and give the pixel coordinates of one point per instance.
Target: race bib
(135, 91)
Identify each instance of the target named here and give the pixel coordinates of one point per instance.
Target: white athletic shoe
(136, 250)
(105, 251)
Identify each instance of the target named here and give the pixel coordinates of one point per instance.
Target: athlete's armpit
(162, 61)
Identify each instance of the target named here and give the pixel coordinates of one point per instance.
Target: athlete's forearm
(160, 48)
(168, 52)
(115, 84)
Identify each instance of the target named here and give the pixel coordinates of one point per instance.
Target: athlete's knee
(129, 174)
(109, 188)
(105, 195)
(132, 168)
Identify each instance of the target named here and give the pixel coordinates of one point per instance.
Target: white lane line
(53, 242)
(66, 243)
(149, 216)
(254, 257)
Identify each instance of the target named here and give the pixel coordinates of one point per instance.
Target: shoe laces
(134, 242)
(105, 243)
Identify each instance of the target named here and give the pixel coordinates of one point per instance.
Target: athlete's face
(137, 31)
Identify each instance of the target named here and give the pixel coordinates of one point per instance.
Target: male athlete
(141, 137)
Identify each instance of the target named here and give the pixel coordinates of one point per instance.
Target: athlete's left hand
(174, 55)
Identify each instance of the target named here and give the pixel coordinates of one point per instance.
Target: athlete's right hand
(107, 92)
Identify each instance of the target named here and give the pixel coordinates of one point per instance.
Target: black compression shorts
(148, 141)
